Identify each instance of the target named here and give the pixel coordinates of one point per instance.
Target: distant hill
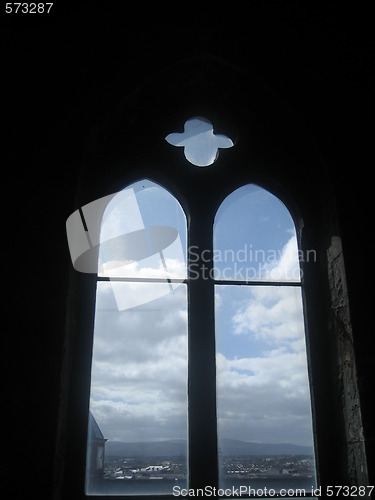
(173, 448)
(170, 448)
(236, 447)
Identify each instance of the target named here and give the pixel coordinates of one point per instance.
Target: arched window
(139, 376)
(263, 395)
(138, 395)
(199, 329)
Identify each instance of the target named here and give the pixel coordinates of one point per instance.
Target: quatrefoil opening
(201, 145)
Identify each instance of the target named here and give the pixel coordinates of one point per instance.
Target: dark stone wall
(64, 78)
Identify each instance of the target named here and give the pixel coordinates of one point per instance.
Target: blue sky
(139, 374)
(255, 226)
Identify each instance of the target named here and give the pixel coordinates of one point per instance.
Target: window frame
(200, 192)
(282, 283)
(201, 354)
(201, 350)
(104, 277)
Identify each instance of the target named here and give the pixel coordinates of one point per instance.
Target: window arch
(138, 395)
(263, 392)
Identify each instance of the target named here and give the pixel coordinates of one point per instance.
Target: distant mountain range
(169, 448)
(236, 447)
(173, 448)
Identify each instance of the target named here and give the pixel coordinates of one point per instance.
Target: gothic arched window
(138, 390)
(263, 393)
(211, 320)
(146, 394)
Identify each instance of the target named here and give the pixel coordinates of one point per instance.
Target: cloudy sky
(139, 372)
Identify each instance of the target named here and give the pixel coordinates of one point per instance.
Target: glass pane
(255, 238)
(138, 400)
(143, 234)
(137, 435)
(263, 397)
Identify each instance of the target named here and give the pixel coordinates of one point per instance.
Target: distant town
(145, 468)
(161, 466)
(233, 468)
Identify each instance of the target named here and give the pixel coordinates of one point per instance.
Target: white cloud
(139, 378)
(139, 367)
(272, 313)
(287, 266)
(265, 396)
(139, 374)
(279, 369)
